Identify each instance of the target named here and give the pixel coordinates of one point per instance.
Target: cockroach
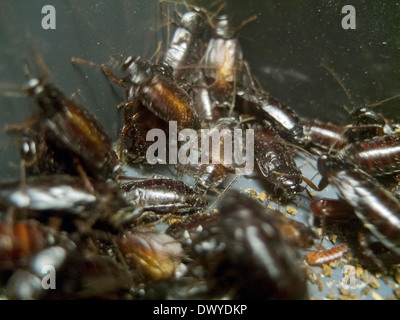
(133, 143)
(210, 175)
(190, 227)
(153, 255)
(275, 161)
(186, 47)
(292, 231)
(76, 277)
(77, 133)
(20, 240)
(374, 206)
(326, 256)
(223, 60)
(378, 156)
(116, 279)
(162, 196)
(200, 94)
(283, 119)
(332, 209)
(366, 124)
(39, 157)
(155, 88)
(366, 116)
(184, 54)
(63, 261)
(45, 196)
(326, 137)
(245, 257)
(26, 283)
(30, 250)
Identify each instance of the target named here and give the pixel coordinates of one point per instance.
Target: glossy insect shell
(377, 156)
(186, 48)
(75, 130)
(246, 255)
(169, 102)
(283, 119)
(155, 88)
(325, 136)
(154, 255)
(19, 241)
(377, 208)
(275, 161)
(326, 256)
(61, 194)
(332, 209)
(162, 195)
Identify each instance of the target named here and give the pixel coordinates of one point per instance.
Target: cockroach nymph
(326, 256)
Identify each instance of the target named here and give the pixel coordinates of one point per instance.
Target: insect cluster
(112, 236)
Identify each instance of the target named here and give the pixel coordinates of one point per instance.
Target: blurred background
(285, 48)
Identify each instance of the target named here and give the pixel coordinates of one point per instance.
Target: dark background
(285, 47)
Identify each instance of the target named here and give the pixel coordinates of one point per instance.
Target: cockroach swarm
(126, 220)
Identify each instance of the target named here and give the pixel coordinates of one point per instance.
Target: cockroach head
(34, 86)
(194, 21)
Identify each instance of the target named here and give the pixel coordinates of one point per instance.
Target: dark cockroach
(28, 249)
(366, 124)
(26, 283)
(76, 276)
(20, 240)
(77, 133)
(155, 88)
(332, 209)
(189, 227)
(283, 119)
(292, 231)
(366, 116)
(133, 143)
(116, 279)
(40, 157)
(378, 156)
(326, 256)
(210, 175)
(329, 137)
(274, 158)
(62, 195)
(245, 257)
(326, 137)
(68, 264)
(377, 208)
(153, 255)
(162, 196)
